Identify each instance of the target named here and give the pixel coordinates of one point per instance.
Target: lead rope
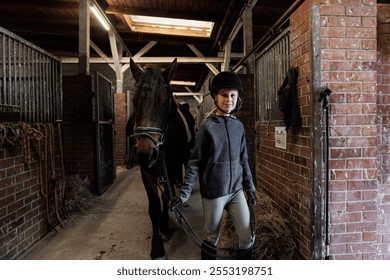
(28, 132)
(43, 178)
(53, 172)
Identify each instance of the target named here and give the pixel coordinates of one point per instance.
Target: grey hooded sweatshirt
(219, 159)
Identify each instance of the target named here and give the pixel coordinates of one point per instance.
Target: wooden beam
(116, 57)
(84, 35)
(199, 54)
(248, 38)
(145, 49)
(149, 60)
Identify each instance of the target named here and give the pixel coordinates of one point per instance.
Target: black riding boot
(208, 251)
(245, 254)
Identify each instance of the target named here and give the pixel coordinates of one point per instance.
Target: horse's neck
(186, 125)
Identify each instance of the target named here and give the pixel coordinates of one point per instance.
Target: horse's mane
(149, 92)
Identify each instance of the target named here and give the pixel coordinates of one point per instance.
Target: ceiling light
(100, 17)
(182, 83)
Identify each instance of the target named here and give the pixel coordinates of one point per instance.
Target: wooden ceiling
(54, 26)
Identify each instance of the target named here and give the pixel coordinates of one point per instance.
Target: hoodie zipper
(230, 152)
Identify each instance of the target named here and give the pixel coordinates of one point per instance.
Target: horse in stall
(164, 134)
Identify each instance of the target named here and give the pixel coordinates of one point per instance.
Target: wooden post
(84, 35)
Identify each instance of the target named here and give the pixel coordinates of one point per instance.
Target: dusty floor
(118, 227)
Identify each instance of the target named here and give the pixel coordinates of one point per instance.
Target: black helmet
(225, 79)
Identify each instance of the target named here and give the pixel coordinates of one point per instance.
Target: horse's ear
(135, 70)
(170, 71)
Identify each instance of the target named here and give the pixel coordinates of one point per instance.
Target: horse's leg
(164, 221)
(173, 173)
(157, 250)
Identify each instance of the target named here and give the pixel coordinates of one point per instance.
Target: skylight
(172, 26)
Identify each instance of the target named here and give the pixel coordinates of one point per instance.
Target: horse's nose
(147, 158)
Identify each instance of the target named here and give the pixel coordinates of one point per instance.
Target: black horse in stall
(164, 134)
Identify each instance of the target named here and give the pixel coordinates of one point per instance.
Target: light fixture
(182, 83)
(100, 17)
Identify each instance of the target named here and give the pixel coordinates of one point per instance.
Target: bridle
(150, 131)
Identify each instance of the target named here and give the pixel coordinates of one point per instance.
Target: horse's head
(153, 102)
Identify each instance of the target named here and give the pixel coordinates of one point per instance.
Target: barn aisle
(118, 227)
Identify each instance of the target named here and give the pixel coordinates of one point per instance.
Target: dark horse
(164, 136)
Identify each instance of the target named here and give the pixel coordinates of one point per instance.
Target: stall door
(104, 133)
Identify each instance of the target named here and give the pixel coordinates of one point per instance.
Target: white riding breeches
(237, 209)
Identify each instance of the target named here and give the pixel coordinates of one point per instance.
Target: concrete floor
(118, 227)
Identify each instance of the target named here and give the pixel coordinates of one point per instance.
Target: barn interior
(66, 94)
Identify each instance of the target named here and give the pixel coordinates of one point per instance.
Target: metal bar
(34, 99)
(19, 74)
(51, 91)
(271, 75)
(270, 33)
(59, 94)
(41, 91)
(3, 95)
(30, 80)
(24, 108)
(46, 90)
(9, 72)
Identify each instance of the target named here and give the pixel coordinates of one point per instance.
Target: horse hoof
(165, 236)
(161, 258)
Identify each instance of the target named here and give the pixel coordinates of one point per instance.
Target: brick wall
(247, 115)
(383, 234)
(120, 127)
(348, 67)
(285, 175)
(79, 130)
(27, 194)
(347, 63)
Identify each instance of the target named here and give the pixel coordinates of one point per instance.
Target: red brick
(361, 206)
(353, 32)
(337, 249)
(332, 10)
(344, 21)
(346, 217)
(362, 248)
(346, 238)
(370, 237)
(361, 11)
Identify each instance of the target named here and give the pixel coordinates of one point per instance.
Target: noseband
(148, 132)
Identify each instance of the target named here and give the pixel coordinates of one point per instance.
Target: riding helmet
(225, 79)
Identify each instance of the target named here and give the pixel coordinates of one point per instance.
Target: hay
(78, 195)
(274, 240)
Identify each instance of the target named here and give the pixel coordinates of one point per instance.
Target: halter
(148, 131)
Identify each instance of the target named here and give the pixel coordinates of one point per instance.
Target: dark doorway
(105, 172)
